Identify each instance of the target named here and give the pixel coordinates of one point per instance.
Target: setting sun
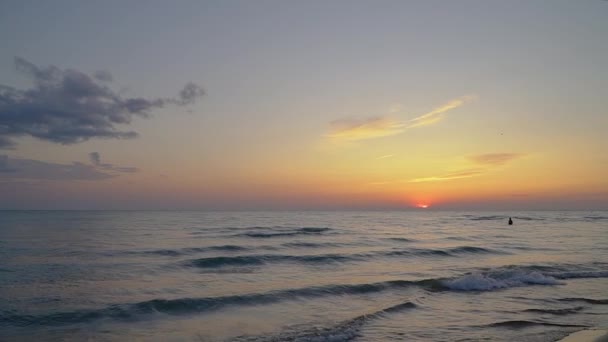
(303, 170)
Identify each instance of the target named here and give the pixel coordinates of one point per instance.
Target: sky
(304, 105)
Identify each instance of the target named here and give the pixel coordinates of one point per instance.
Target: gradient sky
(307, 105)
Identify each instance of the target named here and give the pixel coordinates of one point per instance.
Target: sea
(301, 276)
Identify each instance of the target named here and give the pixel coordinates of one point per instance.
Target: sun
(422, 206)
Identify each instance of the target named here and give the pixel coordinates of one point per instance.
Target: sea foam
(498, 280)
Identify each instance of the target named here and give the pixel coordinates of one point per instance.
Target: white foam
(498, 280)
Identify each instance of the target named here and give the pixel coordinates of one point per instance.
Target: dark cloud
(69, 106)
(5, 143)
(190, 93)
(28, 169)
(125, 169)
(95, 158)
(4, 167)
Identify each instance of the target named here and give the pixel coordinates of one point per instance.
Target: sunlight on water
(306, 276)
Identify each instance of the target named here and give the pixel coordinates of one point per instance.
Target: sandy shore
(591, 335)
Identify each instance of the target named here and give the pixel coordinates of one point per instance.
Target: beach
(595, 335)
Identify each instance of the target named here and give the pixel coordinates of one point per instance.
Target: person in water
(510, 221)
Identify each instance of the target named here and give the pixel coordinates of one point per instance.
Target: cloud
(23, 169)
(382, 126)
(488, 160)
(103, 75)
(95, 158)
(5, 143)
(69, 106)
(380, 183)
(4, 167)
(189, 94)
(395, 108)
(436, 114)
(353, 129)
(494, 159)
(454, 175)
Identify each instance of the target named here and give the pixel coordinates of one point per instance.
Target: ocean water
(301, 276)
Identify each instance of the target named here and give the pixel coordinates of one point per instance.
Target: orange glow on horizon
(422, 206)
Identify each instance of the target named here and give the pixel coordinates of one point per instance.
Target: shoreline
(587, 335)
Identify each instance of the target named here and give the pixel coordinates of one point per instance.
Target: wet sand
(595, 335)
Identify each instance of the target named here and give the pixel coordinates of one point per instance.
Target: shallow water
(301, 276)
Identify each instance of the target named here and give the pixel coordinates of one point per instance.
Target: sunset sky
(244, 105)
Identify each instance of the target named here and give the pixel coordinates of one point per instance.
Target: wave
(527, 218)
(458, 238)
(519, 324)
(501, 278)
(517, 276)
(448, 252)
(282, 232)
(502, 217)
(302, 244)
(558, 312)
(580, 274)
(344, 331)
(192, 250)
(252, 260)
(498, 280)
(596, 218)
(192, 305)
(401, 239)
(488, 218)
(257, 260)
(585, 300)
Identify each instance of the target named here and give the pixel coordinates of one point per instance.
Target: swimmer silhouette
(510, 221)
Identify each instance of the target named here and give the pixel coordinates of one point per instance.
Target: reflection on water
(284, 276)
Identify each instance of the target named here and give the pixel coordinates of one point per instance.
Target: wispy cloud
(395, 108)
(95, 158)
(380, 183)
(436, 114)
(486, 161)
(494, 159)
(449, 176)
(383, 126)
(386, 156)
(27, 169)
(353, 129)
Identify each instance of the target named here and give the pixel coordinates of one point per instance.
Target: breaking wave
(498, 280)
(492, 280)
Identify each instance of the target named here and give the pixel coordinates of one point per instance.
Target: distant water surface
(301, 276)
